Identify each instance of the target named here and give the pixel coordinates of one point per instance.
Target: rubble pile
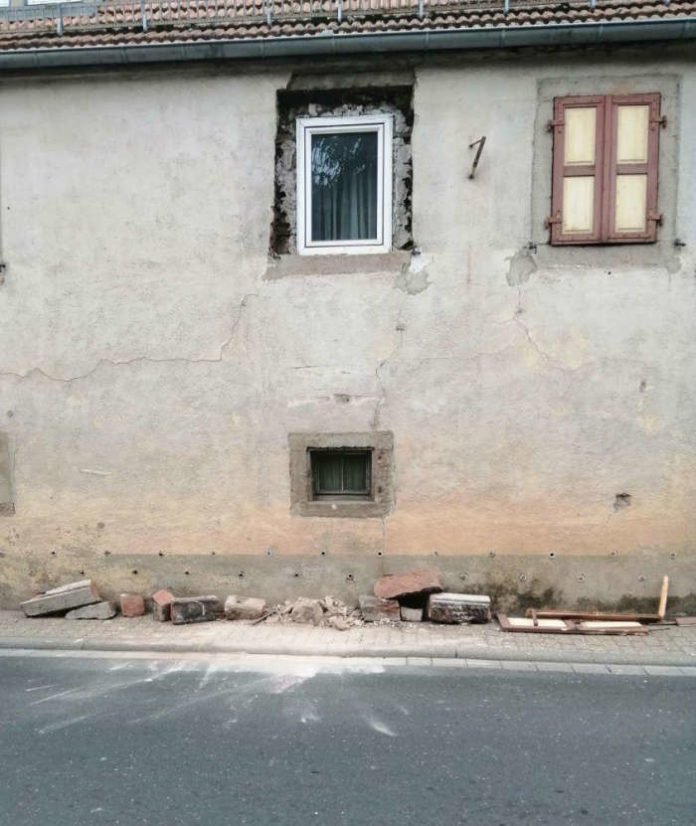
(328, 612)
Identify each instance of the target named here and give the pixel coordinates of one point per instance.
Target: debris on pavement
(374, 609)
(249, 608)
(411, 614)
(64, 598)
(328, 612)
(132, 605)
(456, 609)
(95, 611)
(536, 625)
(685, 620)
(195, 609)
(162, 605)
(396, 586)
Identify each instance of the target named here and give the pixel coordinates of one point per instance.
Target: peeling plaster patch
(622, 500)
(413, 278)
(522, 267)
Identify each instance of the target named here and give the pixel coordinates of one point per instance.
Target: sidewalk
(664, 646)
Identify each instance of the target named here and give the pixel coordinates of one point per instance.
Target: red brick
(132, 605)
(162, 605)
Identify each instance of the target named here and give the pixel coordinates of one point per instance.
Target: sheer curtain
(344, 186)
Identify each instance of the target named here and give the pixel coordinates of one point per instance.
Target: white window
(344, 185)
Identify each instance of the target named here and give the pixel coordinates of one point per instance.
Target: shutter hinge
(552, 219)
(656, 217)
(552, 124)
(659, 121)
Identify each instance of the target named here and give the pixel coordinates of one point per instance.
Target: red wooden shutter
(631, 177)
(578, 170)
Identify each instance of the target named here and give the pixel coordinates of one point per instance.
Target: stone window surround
(612, 256)
(302, 503)
(338, 101)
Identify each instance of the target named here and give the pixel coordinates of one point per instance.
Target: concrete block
(456, 609)
(374, 609)
(57, 600)
(162, 605)
(250, 608)
(411, 614)
(425, 581)
(195, 609)
(96, 611)
(132, 605)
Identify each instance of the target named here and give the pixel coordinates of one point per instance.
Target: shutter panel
(578, 164)
(632, 148)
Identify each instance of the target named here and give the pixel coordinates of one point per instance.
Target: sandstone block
(162, 605)
(195, 609)
(72, 595)
(132, 605)
(459, 608)
(96, 611)
(374, 609)
(250, 608)
(392, 586)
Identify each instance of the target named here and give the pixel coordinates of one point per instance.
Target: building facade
(284, 309)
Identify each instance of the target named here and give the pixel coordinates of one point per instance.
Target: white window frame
(382, 125)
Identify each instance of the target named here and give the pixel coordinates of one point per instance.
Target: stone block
(195, 609)
(424, 581)
(96, 611)
(411, 614)
(374, 609)
(250, 608)
(459, 608)
(132, 605)
(58, 600)
(162, 605)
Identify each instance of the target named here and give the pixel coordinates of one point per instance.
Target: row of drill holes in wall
(491, 554)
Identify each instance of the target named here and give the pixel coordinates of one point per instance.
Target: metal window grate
(344, 472)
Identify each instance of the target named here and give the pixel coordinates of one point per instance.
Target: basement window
(345, 474)
(344, 184)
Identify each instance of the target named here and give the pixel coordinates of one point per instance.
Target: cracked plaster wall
(150, 374)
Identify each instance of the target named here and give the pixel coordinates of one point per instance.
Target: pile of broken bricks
(409, 597)
(415, 596)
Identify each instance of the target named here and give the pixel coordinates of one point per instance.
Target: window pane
(632, 134)
(578, 204)
(580, 130)
(344, 186)
(327, 472)
(631, 203)
(355, 469)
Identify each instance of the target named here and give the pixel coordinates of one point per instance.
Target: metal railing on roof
(143, 15)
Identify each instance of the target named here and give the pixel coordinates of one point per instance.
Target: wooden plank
(685, 620)
(662, 605)
(538, 625)
(600, 616)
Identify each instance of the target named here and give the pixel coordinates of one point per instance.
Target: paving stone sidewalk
(664, 646)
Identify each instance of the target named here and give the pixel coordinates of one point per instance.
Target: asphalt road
(167, 742)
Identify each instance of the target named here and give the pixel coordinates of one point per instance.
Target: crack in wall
(141, 359)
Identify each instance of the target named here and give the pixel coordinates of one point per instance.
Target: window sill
(287, 266)
(354, 509)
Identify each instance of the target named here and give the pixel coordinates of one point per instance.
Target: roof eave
(578, 34)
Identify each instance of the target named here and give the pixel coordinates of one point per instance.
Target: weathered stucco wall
(153, 362)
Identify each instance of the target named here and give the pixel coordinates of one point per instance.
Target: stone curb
(430, 654)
